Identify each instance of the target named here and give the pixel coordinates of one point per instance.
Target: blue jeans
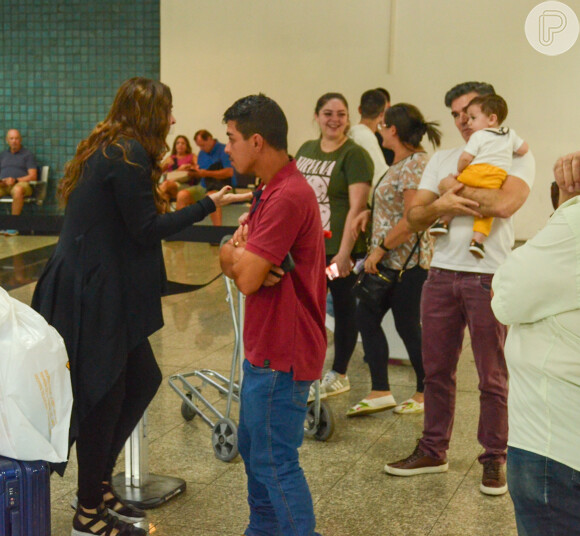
(271, 428)
(546, 494)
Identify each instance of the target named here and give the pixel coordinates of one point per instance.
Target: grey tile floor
(352, 495)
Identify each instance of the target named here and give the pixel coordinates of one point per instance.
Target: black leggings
(405, 300)
(103, 433)
(345, 330)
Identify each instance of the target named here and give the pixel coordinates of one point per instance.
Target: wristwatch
(384, 248)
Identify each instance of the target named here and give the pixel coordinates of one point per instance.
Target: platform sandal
(119, 508)
(101, 523)
(116, 506)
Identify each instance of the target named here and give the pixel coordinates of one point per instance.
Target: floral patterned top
(388, 209)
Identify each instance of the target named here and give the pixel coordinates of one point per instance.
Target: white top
(452, 249)
(494, 146)
(365, 137)
(537, 290)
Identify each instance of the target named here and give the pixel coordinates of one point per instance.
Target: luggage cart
(319, 422)
(224, 429)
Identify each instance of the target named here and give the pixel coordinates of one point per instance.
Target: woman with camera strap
(394, 248)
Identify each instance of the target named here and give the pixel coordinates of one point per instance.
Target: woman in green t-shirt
(340, 172)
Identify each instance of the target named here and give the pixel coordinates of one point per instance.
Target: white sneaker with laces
(312, 393)
(334, 384)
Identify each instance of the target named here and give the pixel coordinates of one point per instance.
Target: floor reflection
(24, 268)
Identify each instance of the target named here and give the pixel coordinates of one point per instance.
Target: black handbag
(373, 289)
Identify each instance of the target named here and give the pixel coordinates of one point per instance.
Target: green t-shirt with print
(330, 175)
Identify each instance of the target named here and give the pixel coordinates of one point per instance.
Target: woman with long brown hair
(102, 288)
(182, 159)
(181, 156)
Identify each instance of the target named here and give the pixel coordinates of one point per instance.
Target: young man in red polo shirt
(284, 333)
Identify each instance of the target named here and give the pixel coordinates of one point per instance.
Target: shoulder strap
(419, 237)
(375, 191)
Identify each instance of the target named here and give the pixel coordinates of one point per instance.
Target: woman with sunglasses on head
(394, 246)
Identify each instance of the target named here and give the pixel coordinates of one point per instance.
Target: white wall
(294, 50)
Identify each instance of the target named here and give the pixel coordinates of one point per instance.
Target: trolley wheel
(325, 423)
(224, 439)
(186, 412)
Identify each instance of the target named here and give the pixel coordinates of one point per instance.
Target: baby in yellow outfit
(485, 160)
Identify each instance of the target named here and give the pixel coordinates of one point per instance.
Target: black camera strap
(419, 235)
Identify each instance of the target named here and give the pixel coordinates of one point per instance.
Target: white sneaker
(312, 393)
(334, 384)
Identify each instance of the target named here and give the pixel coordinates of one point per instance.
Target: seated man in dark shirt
(17, 169)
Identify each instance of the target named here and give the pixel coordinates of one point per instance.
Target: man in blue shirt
(215, 170)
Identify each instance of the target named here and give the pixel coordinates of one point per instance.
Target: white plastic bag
(35, 387)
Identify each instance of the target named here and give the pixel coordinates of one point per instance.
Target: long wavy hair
(141, 111)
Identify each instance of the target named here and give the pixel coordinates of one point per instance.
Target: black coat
(101, 289)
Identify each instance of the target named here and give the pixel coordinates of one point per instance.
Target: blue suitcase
(24, 498)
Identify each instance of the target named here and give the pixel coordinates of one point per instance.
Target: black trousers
(405, 300)
(345, 330)
(103, 433)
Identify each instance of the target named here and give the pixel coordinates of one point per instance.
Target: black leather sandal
(101, 523)
(119, 508)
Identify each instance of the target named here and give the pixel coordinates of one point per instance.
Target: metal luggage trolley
(224, 429)
(319, 422)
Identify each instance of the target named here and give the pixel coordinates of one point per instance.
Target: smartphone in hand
(332, 270)
(288, 263)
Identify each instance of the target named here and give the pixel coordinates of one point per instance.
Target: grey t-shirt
(16, 164)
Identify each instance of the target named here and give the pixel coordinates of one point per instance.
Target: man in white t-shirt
(457, 294)
(372, 110)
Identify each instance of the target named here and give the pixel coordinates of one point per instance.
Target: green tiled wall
(61, 62)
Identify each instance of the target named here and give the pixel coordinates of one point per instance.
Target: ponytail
(433, 133)
(411, 125)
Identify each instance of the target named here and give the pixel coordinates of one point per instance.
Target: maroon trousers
(450, 301)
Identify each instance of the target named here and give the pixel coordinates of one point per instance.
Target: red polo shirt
(284, 324)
